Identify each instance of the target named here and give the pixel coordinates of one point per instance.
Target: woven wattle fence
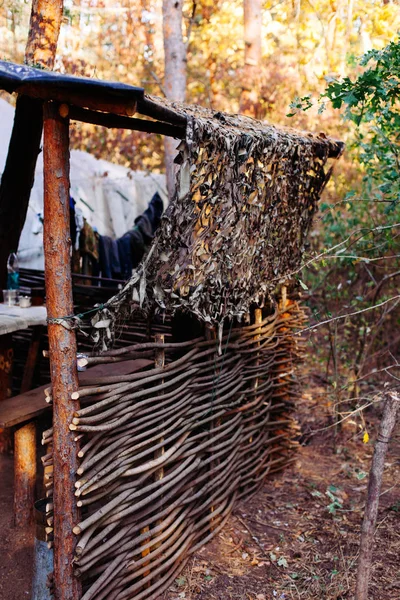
(167, 451)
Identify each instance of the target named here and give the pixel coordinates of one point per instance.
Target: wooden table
(14, 318)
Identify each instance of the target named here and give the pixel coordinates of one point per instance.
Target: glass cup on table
(24, 302)
(10, 297)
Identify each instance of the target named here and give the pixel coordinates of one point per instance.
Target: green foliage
(371, 102)
(360, 223)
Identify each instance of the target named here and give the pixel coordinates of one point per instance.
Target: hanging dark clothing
(72, 221)
(142, 234)
(153, 215)
(137, 245)
(125, 258)
(110, 265)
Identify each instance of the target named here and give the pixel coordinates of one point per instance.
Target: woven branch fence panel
(167, 452)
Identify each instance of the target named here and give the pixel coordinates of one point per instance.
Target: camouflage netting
(245, 196)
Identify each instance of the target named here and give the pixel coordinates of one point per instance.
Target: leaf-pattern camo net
(245, 197)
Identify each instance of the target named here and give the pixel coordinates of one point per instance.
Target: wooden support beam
(118, 122)
(25, 447)
(62, 344)
(31, 359)
(161, 113)
(6, 361)
(24, 474)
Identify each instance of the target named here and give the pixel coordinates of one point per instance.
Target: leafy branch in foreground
(365, 268)
(371, 102)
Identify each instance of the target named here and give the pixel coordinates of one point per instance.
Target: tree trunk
(374, 487)
(19, 171)
(175, 74)
(249, 100)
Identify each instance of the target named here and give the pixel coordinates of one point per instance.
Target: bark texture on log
(249, 101)
(174, 74)
(24, 474)
(390, 409)
(19, 172)
(62, 344)
(44, 29)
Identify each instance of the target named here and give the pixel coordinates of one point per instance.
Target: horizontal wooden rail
(119, 122)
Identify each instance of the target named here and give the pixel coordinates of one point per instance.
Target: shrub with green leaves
(371, 101)
(364, 224)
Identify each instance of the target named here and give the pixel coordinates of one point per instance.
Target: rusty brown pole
(25, 449)
(62, 345)
(24, 474)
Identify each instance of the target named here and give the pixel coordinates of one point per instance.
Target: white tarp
(109, 196)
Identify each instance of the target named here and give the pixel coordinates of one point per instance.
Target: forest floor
(296, 539)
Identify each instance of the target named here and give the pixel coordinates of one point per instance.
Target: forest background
(304, 46)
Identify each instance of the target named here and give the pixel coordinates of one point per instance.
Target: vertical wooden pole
(24, 474)
(257, 321)
(6, 361)
(62, 345)
(159, 364)
(31, 359)
(159, 474)
(211, 335)
(392, 405)
(25, 447)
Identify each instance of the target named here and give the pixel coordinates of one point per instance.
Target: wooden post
(31, 359)
(211, 334)
(6, 361)
(257, 321)
(24, 474)
(159, 364)
(62, 345)
(388, 422)
(159, 474)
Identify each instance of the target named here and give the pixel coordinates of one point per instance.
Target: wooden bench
(22, 411)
